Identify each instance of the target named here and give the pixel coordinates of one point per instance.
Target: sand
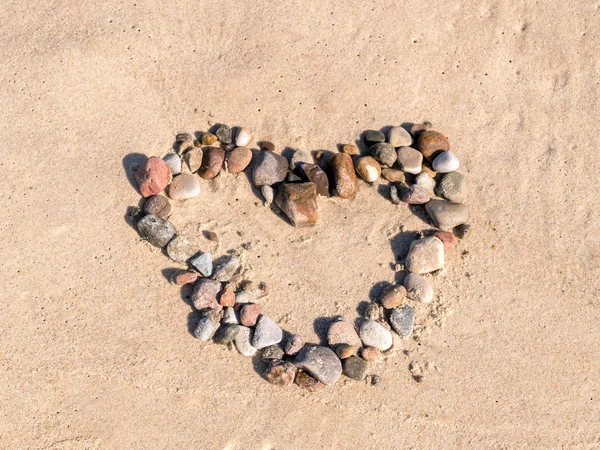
(95, 348)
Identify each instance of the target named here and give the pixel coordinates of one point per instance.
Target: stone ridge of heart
(419, 166)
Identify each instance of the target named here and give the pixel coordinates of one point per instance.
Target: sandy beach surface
(95, 346)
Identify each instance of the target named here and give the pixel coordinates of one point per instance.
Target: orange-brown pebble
(345, 182)
(394, 297)
(345, 351)
(238, 159)
(250, 313)
(305, 381)
(350, 149)
(371, 354)
(447, 238)
(184, 277)
(212, 161)
(428, 169)
(227, 298)
(432, 143)
(208, 138)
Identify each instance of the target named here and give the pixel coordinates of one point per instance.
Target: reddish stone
(238, 159)
(227, 298)
(212, 161)
(280, 373)
(345, 182)
(316, 175)
(432, 143)
(205, 294)
(153, 176)
(447, 238)
(250, 314)
(299, 202)
(305, 381)
(371, 354)
(184, 277)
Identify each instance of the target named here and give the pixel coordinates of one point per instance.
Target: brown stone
(153, 176)
(432, 143)
(305, 381)
(205, 294)
(316, 175)
(370, 354)
(393, 175)
(345, 182)
(158, 205)
(193, 159)
(267, 146)
(447, 238)
(208, 138)
(368, 168)
(250, 313)
(299, 202)
(319, 155)
(350, 149)
(238, 159)
(227, 298)
(280, 373)
(428, 169)
(345, 351)
(394, 297)
(212, 161)
(184, 277)
(342, 332)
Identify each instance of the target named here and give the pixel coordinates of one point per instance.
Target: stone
(243, 341)
(272, 352)
(345, 351)
(280, 373)
(193, 159)
(373, 137)
(394, 196)
(203, 263)
(315, 174)
(227, 298)
(355, 368)
(226, 268)
(244, 137)
(318, 155)
(212, 162)
(428, 169)
(299, 158)
(374, 311)
(410, 160)
(184, 137)
(238, 159)
(184, 277)
(399, 137)
(368, 169)
(266, 333)
(373, 334)
(250, 313)
(431, 143)
(452, 186)
(205, 329)
(153, 176)
(173, 161)
(245, 297)
(205, 294)
(425, 255)
(268, 194)
(267, 146)
(183, 147)
(158, 205)
(427, 182)
(417, 129)
(445, 162)
(184, 187)
(393, 297)
(371, 354)
(462, 231)
(270, 169)
(342, 332)
(447, 215)
(376, 380)
(350, 149)
(292, 177)
(345, 183)
(294, 344)
(414, 195)
(180, 249)
(155, 230)
(224, 134)
(226, 334)
(418, 288)
(447, 238)
(230, 317)
(384, 153)
(393, 175)
(402, 320)
(299, 203)
(208, 138)
(305, 381)
(321, 362)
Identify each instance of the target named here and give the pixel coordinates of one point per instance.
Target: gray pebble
(272, 352)
(374, 311)
(402, 320)
(180, 249)
(242, 341)
(399, 137)
(445, 162)
(427, 182)
(173, 162)
(184, 137)
(394, 197)
(270, 169)
(227, 267)
(266, 333)
(203, 263)
(294, 344)
(268, 194)
(425, 255)
(184, 186)
(298, 158)
(418, 288)
(245, 297)
(355, 368)
(462, 231)
(230, 317)
(373, 334)
(373, 136)
(226, 334)
(224, 134)
(384, 153)
(193, 159)
(156, 230)
(320, 362)
(452, 186)
(410, 160)
(205, 329)
(447, 215)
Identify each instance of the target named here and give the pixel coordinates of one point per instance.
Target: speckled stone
(447, 215)
(280, 373)
(203, 263)
(316, 175)
(184, 187)
(402, 320)
(270, 169)
(414, 195)
(371, 354)
(393, 175)
(193, 159)
(250, 313)
(399, 137)
(374, 311)
(305, 381)
(452, 186)
(158, 205)
(212, 162)
(299, 203)
(155, 230)
(224, 134)
(294, 344)
(243, 341)
(238, 159)
(384, 153)
(431, 143)
(226, 334)
(184, 137)
(355, 368)
(342, 332)
(205, 329)
(180, 249)
(153, 176)
(445, 162)
(394, 195)
(373, 334)
(418, 288)
(321, 362)
(368, 169)
(205, 294)
(272, 352)
(226, 268)
(244, 137)
(427, 182)
(410, 160)
(266, 333)
(373, 137)
(393, 297)
(425, 255)
(345, 183)
(350, 149)
(173, 161)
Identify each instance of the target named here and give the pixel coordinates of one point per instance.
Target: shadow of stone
(378, 289)
(193, 318)
(321, 326)
(132, 215)
(131, 163)
(420, 212)
(258, 364)
(401, 243)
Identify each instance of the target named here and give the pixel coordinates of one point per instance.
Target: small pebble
(193, 159)
(427, 182)
(345, 351)
(153, 176)
(203, 263)
(243, 341)
(224, 134)
(368, 169)
(384, 153)
(228, 266)
(417, 129)
(428, 169)
(373, 137)
(355, 368)
(394, 197)
(270, 169)
(268, 194)
(227, 298)
(245, 297)
(280, 373)
(462, 231)
(373, 334)
(212, 162)
(375, 380)
(445, 162)
(180, 249)
(183, 147)
(447, 238)
(342, 332)
(316, 175)
(373, 311)
(343, 175)
(414, 195)
(294, 344)
(452, 186)
(393, 175)
(184, 277)
(238, 159)
(229, 317)
(272, 352)
(350, 149)
(299, 203)
(410, 160)
(226, 334)
(158, 205)
(321, 362)
(394, 297)
(399, 137)
(243, 138)
(371, 354)
(250, 313)
(211, 235)
(402, 320)
(425, 255)
(155, 230)
(299, 158)
(205, 329)
(418, 288)
(267, 146)
(447, 215)
(305, 381)
(431, 143)
(173, 161)
(205, 294)
(184, 137)
(266, 333)
(184, 187)
(208, 138)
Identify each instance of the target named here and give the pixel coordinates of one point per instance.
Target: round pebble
(393, 175)
(418, 288)
(153, 176)
(342, 332)
(250, 313)
(266, 333)
(193, 159)
(425, 255)
(373, 334)
(212, 162)
(447, 215)
(203, 263)
(431, 143)
(173, 161)
(402, 320)
(280, 373)
(224, 134)
(155, 230)
(238, 159)
(452, 186)
(355, 368)
(205, 329)
(243, 341)
(445, 162)
(399, 137)
(294, 344)
(368, 169)
(184, 187)
(321, 362)
(158, 205)
(243, 138)
(384, 153)
(205, 294)
(345, 351)
(270, 169)
(371, 354)
(180, 249)
(393, 297)
(226, 334)
(410, 160)
(208, 138)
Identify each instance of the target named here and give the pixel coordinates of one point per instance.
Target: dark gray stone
(355, 368)
(321, 362)
(155, 230)
(402, 320)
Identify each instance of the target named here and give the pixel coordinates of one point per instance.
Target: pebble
(238, 159)
(321, 362)
(428, 169)
(376, 380)
(418, 288)
(305, 381)
(316, 175)
(292, 177)
(410, 160)
(425, 255)
(414, 195)
(229, 317)
(373, 334)
(205, 294)
(384, 153)
(402, 320)
(371, 354)
(452, 186)
(224, 134)
(394, 297)
(184, 137)
(173, 161)
(399, 137)
(158, 205)
(203, 263)
(226, 334)
(350, 149)
(462, 231)
(280, 373)
(445, 162)
(184, 147)
(294, 344)
(268, 194)
(368, 169)
(205, 329)
(245, 297)
(373, 137)
(447, 215)
(155, 230)
(208, 138)
(212, 162)
(393, 175)
(394, 195)
(272, 352)
(344, 178)
(374, 311)
(266, 333)
(342, 332)
(299, 158)
(184, 187)
(355, 368)
(447, 238)
(227, 298)
(417, 129)
(227, 267)
(299, 203)
(427, 182)
(153, 176)
(242, 342)
(431, 143)
(180, 249)
(270, 169)
(267, 146)
(244, 137)
(250, 313)
(345, 351)
(184, 277)
(193, 159)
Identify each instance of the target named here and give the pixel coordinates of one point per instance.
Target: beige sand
(95, 350)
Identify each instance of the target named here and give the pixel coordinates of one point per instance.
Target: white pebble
(418, 288)
(184, 186)
(446, 162)
(242, 342)
(173, 162)
(373, 334)
(427, 182)
(244, 137)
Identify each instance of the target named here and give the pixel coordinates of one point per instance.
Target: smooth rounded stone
(418, 288)
(321, 362)
(425, 255)
(212, 162)
(238, 159)
(153, 176)
(244, 137)
(394, 196)
(227, 298)
(205, 294)
(229, 317)
(373, 311)
(368, 168)
(462, 231)
(402, 320)
(445, 162)
(452, 186)
(432, 143)
(155, 230)
(208, 138)
(350, 149)
(205, 329)
(410, 160)
(294, 344)
(173, 161)
(270, 169)
(417, 129)
(250, 313)
(268, 194)
(184, 137)
(180, 249)
(393, 297)
(355, 368)
(266, 333)
(316, 175)
(184, 187)
(193, 159)
(299, 158)
(227, 267)
(224, 134)
(427, 182)
(226, 334)
(384, 153)
(393, 175)
(203, 263)
(373, 334)
(371, 354)
(280, 373)
(447, 215)
(271, 352)
(414, 195)
(183, 147)
(184, 277)
(345, 351)
(344, 178)
(299, 203)
(158, 205)
(305, 381)
(373, 137)
(243, 341)
(447, 238)
(342, 332)
(399, 137)
(267, 146)
(245, 297)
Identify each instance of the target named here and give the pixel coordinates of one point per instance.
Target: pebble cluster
(421, 170)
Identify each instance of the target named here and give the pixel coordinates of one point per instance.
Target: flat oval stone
(299, 203)
(425, 255)
(294, 344)
(238, 159)
(355, 368)
(342, 332)
(321, 362)
(418, 288)
(445, 162)
(384, 153)
(399, 137)
(280, 373)
(393, 297)
(414, 195)
(158, 205)
(368, 169)
(205, 294)
(266, 333)
(180, 249)
(344, 178)
(427, 182)
(452, 186)
(224, 134)
(208, 138)
(155, 230)
(373, 334)
(184, 187)
(153, 176)
(316, 175)
(193, 159)
(393, 175)
(402, 320)
(243, 138)
(243, 341)
(270, 169)
(410, 160)
(173, 161)
(447, 215)
(431, 143)
(345, 351)
(373, 137)
(203, 263)
(212, 162)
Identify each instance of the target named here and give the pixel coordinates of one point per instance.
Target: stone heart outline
(234, 318)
